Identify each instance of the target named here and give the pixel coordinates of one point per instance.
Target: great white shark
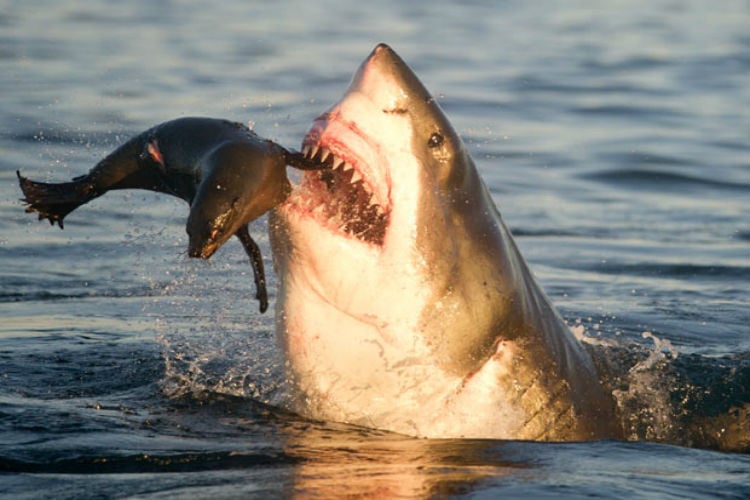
(403, 302)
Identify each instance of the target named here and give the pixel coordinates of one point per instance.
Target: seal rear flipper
(54, 201)
(256, 259)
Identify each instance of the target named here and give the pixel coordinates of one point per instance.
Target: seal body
(404, 303)
(229, 175)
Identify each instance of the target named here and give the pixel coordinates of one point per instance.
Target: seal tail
(54, 201)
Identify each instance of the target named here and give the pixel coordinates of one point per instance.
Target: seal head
(244, 183)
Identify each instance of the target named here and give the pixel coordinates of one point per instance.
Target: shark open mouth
(343, 196)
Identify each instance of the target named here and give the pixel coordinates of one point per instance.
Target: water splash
(645, 402)
(215, 347)
(669, 397)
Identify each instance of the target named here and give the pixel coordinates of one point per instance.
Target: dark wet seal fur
(229, 175)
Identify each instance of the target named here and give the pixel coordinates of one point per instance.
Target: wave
(662, 180)
(655, 114)
(46, 295)
(48, 134)
(678, 271)
(149, 462)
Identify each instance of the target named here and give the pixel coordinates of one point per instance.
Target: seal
(404, 303)
(228, 174)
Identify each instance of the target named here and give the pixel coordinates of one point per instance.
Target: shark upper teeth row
(321, 154)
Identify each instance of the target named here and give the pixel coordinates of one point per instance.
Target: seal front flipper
(256, 259)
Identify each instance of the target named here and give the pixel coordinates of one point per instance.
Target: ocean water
(615, 140)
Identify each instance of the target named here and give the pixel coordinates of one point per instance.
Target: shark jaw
(403, 303)
(352, 195)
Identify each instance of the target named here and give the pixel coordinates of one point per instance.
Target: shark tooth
(324, 153)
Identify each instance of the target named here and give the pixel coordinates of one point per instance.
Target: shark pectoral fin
(256, 259)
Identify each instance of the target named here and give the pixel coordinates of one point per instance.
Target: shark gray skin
(228, 174)
(404, 304)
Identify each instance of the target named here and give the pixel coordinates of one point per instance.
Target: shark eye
(435, 141)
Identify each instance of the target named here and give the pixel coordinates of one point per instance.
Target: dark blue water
(615, 141)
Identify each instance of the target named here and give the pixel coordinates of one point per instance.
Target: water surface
(615, 141)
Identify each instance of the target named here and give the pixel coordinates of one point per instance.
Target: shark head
(398, 281)
(395, 205)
